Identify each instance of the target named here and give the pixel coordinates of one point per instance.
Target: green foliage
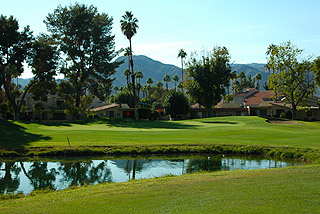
(290, 77)
(83, 37)
(15, 49)
(282, 115)
(316, 70)
(229, 98)
(155, 115)
(44, 62)
(208, 76)
(123, 97)
(176, 103)
(129, 26)
(182, 54)
(4, 107)
(167, 79)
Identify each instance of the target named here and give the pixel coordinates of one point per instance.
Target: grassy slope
(224, 130)
(285, 190)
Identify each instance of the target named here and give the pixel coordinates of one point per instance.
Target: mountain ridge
(157, 70)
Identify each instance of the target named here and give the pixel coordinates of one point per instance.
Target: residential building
(114, 110)
(252, 102)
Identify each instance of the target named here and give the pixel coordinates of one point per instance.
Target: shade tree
(291, 75)
(208, 76)
(84, 40)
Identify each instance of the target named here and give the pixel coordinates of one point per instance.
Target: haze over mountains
(157, 70)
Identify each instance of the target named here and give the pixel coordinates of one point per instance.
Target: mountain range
(157, 70)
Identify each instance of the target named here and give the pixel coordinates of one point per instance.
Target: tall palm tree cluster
(150, 93)
(240, 81)
(129, 26)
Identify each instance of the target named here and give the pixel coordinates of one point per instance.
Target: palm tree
(145, 91)
(139, 75)
(167, 79)
(175, 78)
(258, 77)
(116, 89)
(129, 26)
(182, 54)
(127, 53)
(233, 76)
(126, 73)
(149, 82)
(180, 86)
(241, 76)
(159, 84)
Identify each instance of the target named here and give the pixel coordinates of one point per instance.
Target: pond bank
(306, 154)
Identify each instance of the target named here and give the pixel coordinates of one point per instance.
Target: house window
(238, 113)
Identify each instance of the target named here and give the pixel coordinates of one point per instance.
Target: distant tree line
(80, 45)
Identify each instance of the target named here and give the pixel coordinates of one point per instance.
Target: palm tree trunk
(133, 84)
(182, 72)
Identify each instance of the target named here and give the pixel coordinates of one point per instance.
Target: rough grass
(285, 190)
(121, 132)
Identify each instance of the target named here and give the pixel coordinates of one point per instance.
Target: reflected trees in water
(80, 173)
(40, 176)
(10, 181)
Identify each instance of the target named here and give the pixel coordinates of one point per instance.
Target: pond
(17, 176)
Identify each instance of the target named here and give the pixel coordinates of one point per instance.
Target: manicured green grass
(285, 190)
(116, 132)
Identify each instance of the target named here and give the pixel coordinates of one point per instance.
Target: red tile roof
(259, 97)
(246, 91)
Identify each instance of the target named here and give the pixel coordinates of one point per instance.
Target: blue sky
(245, 27)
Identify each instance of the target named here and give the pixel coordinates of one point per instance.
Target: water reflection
(26, 176)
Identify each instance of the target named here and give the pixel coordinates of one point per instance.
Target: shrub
(144, 113)
(123, 97)
(289, 115)
(155, 115)
(176, 103)
(283, 115)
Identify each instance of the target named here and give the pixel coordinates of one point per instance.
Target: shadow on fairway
(118, 122)
(220, 122)
(15, 136)
(132, 123)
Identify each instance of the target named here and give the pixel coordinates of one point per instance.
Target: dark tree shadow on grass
(132, 123)
(119, 122)
(221, 122)
(13, 136)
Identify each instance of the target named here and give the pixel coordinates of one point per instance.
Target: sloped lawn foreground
(285, 190)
